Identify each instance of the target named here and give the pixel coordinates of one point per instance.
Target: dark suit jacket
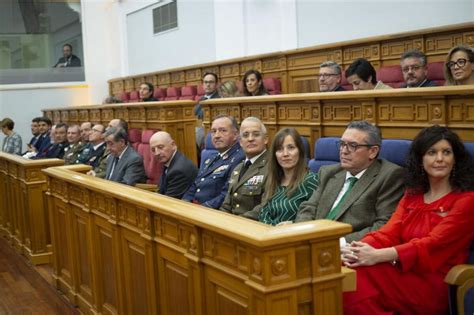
(368, 205)
(426, 83)
(246, 193)
(198, 108)
(73, 62)
(179, 176)
(129, 169)
(43, 142)
(212, 182)
(339, 89)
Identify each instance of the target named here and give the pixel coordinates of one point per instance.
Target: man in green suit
(247, 181)
(362, 190)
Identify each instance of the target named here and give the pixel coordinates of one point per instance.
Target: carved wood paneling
(129, 84)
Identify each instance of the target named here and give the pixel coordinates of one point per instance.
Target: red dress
(430, 239)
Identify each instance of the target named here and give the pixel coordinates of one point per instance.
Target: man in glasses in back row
(330, 77)
(415, 69)
(361, 190)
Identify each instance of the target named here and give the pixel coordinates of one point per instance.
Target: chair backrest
(395, 150)
(188, 92)
(125, 97)
(135, 137)
(344, 83)
(272, 85)
(199, 93)
(307, 149)
(436, 72)
(391, 75)
(326, 152)
(470, 148)
(172, 93)
(153, 168)
(208, 151)
(134, 96)
(159, 93)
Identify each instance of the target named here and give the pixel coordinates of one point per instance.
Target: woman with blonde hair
(229, 89)
(459, 69)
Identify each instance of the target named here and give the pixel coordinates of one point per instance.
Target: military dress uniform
(91, 156)
(71, 152)
(247, 192)
(211, 184)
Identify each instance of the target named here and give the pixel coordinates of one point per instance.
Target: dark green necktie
(334, 211)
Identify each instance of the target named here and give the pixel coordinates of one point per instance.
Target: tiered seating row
(297, 69)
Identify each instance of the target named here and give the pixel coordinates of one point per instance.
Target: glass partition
(40, 41)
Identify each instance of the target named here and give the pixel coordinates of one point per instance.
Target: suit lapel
(330, 193)
(359, 188)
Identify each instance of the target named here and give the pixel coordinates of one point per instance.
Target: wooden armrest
(148, 187)
(459, 274)
(349, 282)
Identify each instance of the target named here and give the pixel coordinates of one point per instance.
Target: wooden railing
(297, 69)
(399, 113)
(175, 117)
(120, 250)
(23, 211)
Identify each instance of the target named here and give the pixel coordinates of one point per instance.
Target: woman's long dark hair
(462, 175)
(261, 89)
(275, 171)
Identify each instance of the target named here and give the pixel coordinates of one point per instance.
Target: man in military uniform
(75, 145)
(211, 184)
(247, 182)
(93, 151)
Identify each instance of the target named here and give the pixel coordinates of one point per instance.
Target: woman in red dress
(401, 267)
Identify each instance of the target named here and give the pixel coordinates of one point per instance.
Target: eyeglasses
(209, 82)
(352, 146)
(412, 68)
(255, 134)
(326, 75)
(460, 63)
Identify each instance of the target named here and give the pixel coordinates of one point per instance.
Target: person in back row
(361, 190)
(124, 164)
(253, 84)
(459, 69)
(212, 182)
(289, 181)
(361, 74)
(415, 69)
(179, 172)
(12, 142)
(401, 267)
(229, 89)
(247, 181)
(330, 77)
(146, 92)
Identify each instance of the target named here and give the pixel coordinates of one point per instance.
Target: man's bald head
(118, 123)
(163, 146)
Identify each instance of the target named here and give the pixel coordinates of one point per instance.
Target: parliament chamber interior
(73, 241)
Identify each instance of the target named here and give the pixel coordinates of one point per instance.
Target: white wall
(328, 21)
(24, 102)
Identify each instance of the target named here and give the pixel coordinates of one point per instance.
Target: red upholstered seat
(172, 93)
(272, 85)
(159, 93)
(436, 72)
(200, 93)
(125, 97)
(188, 92)
(153, 168)
(391, 75)
(240, 87)
(135, 137)
(134, 96)
(346, 85)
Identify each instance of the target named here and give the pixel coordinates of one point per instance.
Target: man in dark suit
(68, 59)
(178, 171)
(362, 190)
(247, 181)
(124, 164)
(212, 182)
(146, 93)
(415, 69)
(330, 77)
(57, 148)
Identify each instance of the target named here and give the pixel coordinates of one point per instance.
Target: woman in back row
(401, 267)
(459, 68)
(253, 84)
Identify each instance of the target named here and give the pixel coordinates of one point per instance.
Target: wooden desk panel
(23, 213)
(149, 254)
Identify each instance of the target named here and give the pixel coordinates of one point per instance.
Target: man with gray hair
(247, 181)
(124, 164)
(415, 69)
(361, 190)
(330, 77)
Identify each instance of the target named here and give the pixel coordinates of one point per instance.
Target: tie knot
(248, 163)
(352, 180)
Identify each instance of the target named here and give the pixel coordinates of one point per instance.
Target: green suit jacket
(244, 194)
(367, 207)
